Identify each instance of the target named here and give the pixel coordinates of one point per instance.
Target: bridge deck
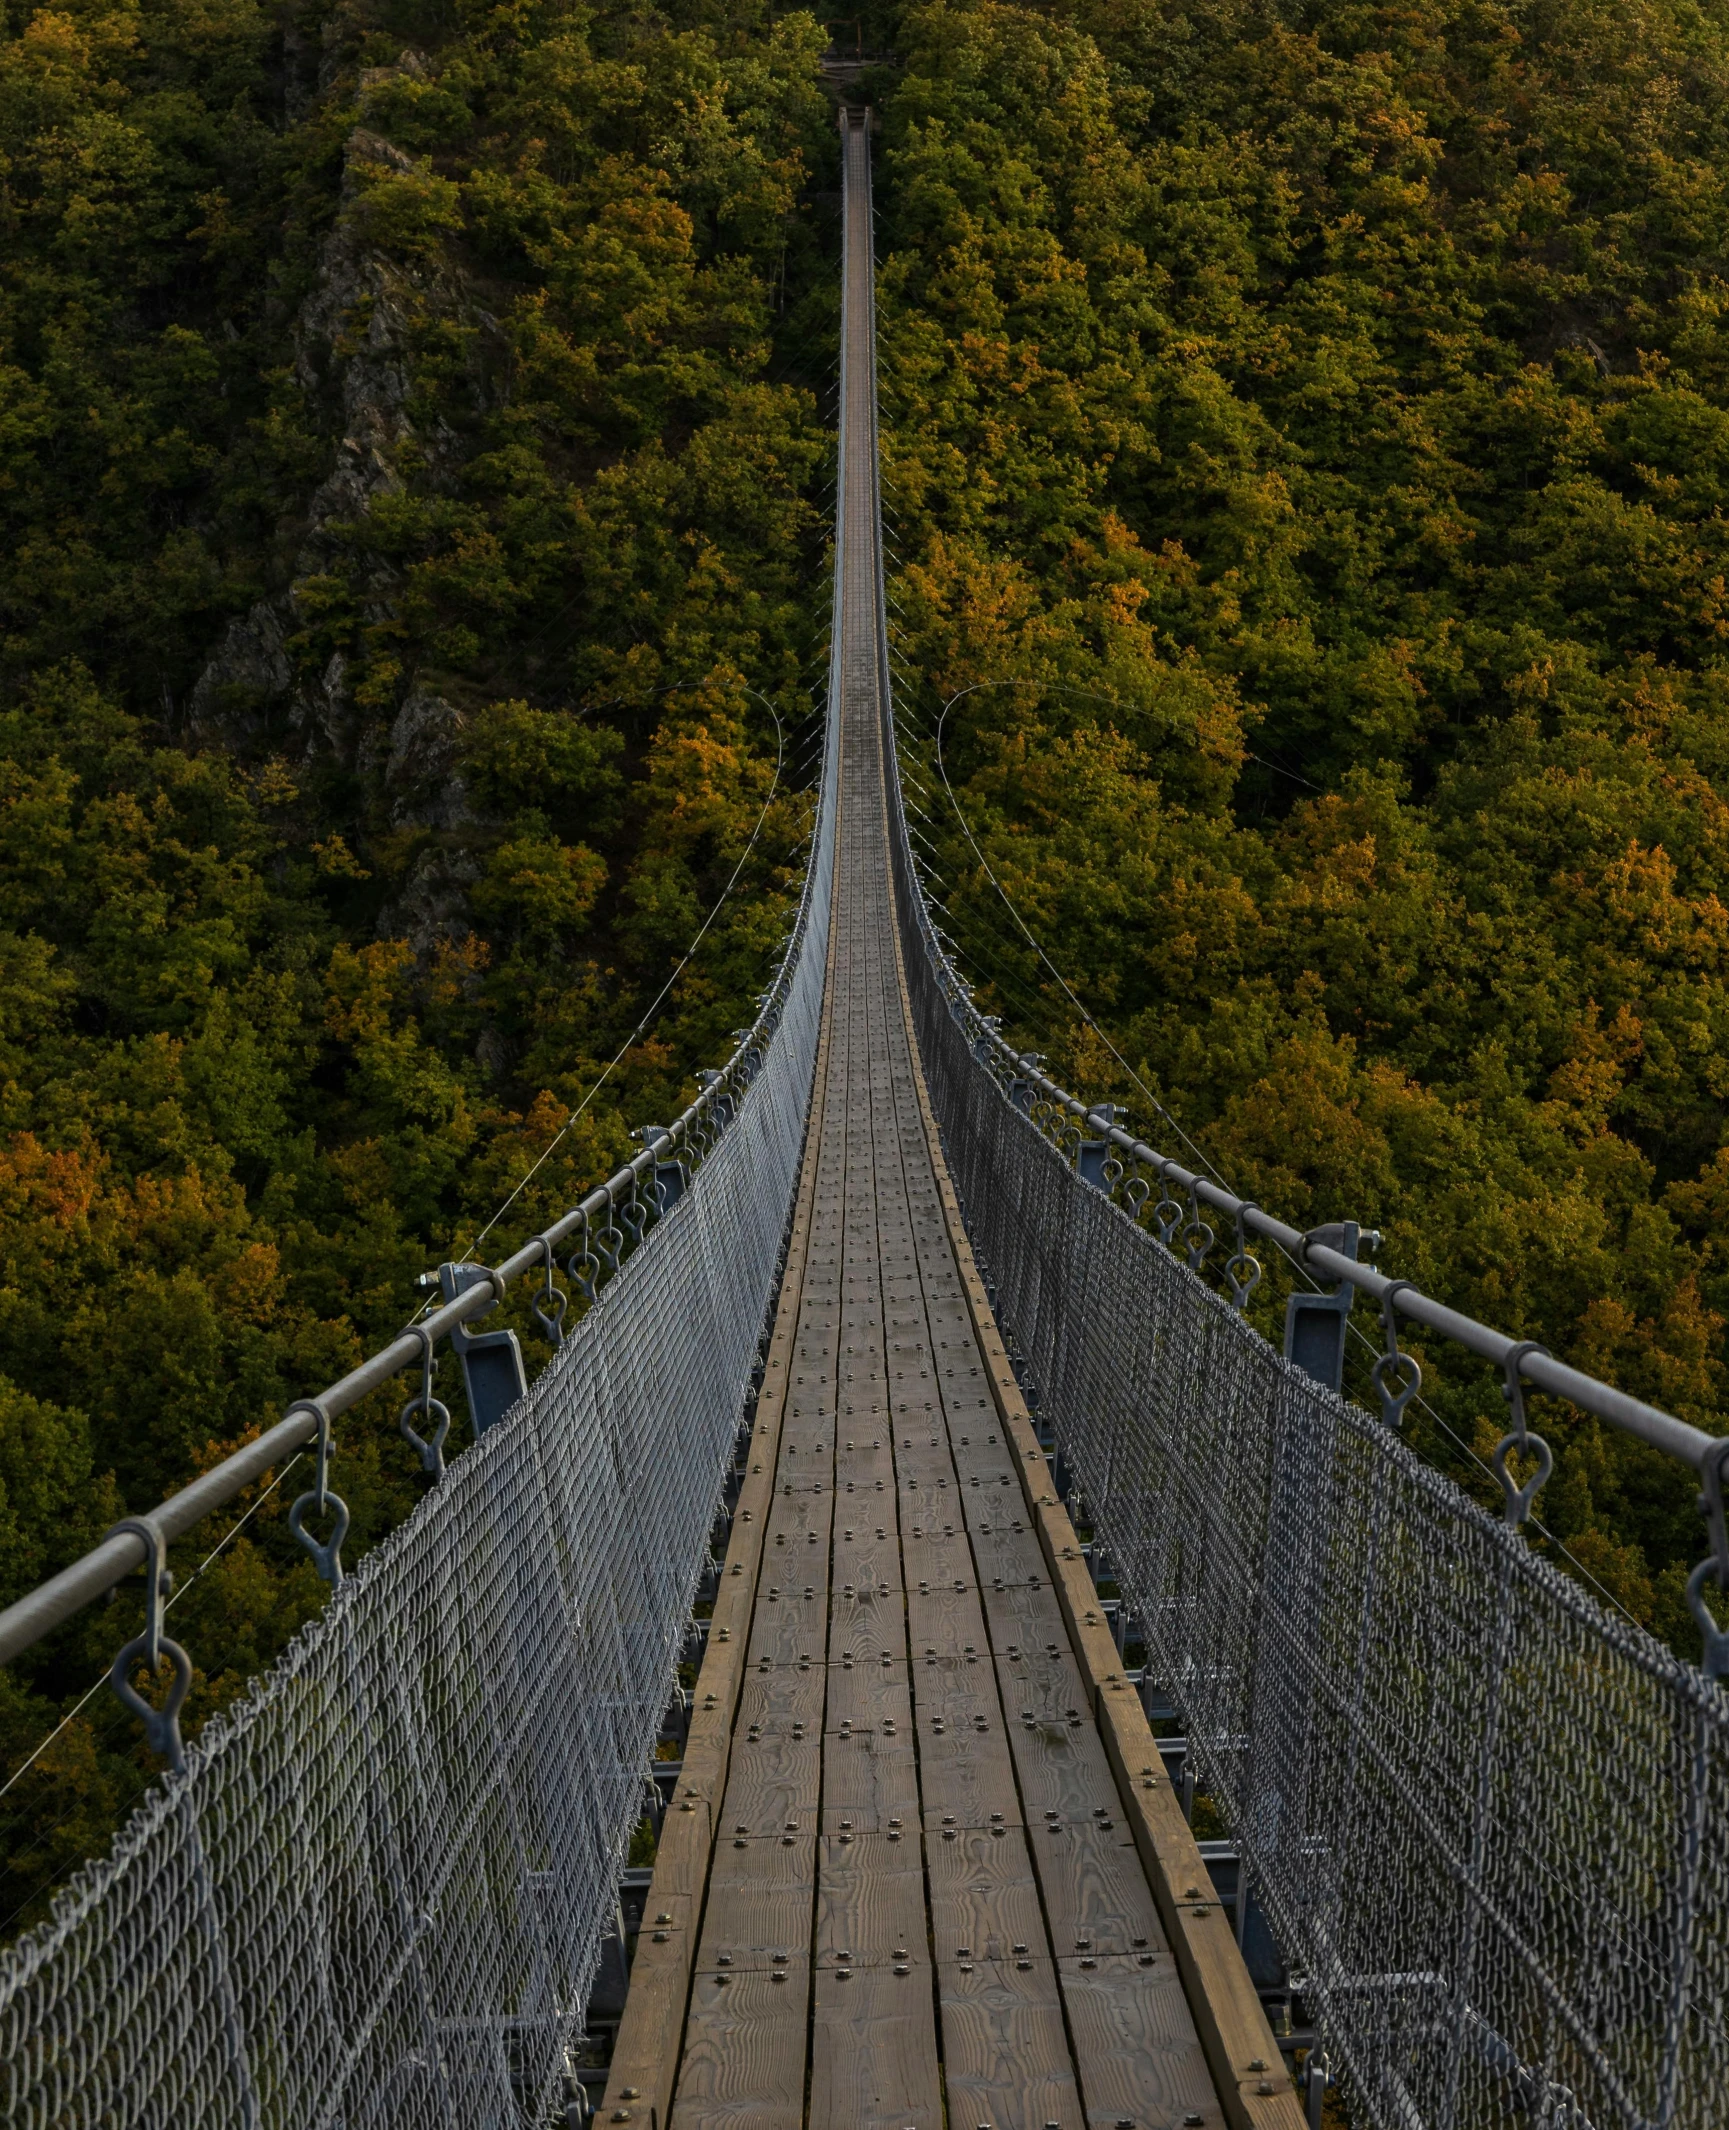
(919, 1901)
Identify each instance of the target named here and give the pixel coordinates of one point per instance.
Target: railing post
(1092, 1154)
(493, 1377)
(1315, 1323)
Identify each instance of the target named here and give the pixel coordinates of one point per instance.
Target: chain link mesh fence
(376, 1896)
(1487, 1820)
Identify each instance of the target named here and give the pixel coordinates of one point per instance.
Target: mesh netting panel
(376, 1896)
(1485, 1818)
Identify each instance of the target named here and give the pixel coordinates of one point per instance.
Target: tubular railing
(1131, 1169)
(636, 1195)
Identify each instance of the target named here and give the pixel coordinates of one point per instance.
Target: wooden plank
(874, 2053)
(1096, 1898)
(773, 1778)
(761, 1891)
(1005, 2051)
(870, 1696)
(1141, 2059)
(1028, 1613)
(867, 1782)
(984, 1896)
(784, 1696)
(865, 1636)
(744, 2054)
(871, 1900)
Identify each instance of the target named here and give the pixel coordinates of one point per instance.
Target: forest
(1306, 434)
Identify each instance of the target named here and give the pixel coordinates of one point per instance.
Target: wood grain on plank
(1006, 2052)
(874, 2056)
(1142, 2061)
(871, 1899)
(869, 1780)
(743, 2066)
(984, 1897)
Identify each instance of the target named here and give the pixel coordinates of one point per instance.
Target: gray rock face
(251, 670)
(352, 351)
(352, 346)
(433, 905)
(420, 773)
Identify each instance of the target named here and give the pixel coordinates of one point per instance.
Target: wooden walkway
(902, 1884)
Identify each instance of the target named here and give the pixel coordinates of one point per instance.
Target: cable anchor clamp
(1398, 1376)
(161, 1725)
(326, 1553)
(1520, 1498)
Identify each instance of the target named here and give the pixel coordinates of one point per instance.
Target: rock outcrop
(352, 346)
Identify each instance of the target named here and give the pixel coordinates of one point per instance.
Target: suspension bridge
(902, 1405)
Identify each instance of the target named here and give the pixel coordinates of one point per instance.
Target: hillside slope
(412, 497)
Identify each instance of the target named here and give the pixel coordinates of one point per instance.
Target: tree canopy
(1306, 439)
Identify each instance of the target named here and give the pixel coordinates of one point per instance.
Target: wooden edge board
(646, 2052)
(1242, 2053)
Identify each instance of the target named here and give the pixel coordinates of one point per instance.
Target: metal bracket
(493, 1378)
(1315, 1323)
(721, 1109)
(668, 1178)
(1716, 1563)
(1021, 1092)
(1092, 1155)
(983, 1049)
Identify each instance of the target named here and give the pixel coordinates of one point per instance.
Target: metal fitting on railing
(1715, 1566)
(161, 1725)
(430, 1447)
(326, 1552)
